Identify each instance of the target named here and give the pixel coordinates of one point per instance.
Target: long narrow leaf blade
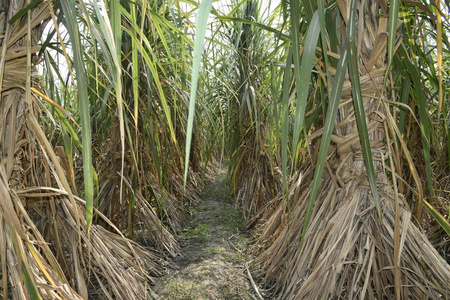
(439, 54)
(392, 27)
(425, 128)
(285, 124)
(203, 14)
(438, 217)
(303, 74)
(360, 115)
(330, 119)
(83, 100)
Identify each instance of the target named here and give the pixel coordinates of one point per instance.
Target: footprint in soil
(214, 252)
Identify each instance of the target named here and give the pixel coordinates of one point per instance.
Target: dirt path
(214, 252)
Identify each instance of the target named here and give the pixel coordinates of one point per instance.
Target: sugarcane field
(224, 150)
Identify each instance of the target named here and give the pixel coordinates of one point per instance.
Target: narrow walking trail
(214, 252)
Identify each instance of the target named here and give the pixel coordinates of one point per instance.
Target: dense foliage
(333, 116)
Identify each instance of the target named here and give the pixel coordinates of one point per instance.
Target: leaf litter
(213, 257)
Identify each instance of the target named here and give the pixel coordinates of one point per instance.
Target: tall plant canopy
(332, 117)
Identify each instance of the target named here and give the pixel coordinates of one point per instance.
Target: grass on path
(214, 252)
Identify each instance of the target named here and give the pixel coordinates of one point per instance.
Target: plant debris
(214, 252)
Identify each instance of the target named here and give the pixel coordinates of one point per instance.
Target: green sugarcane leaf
(330, 120)
(24, 11)
(303, 74)
(285, 124)
(392, 31)
(202, 21)
(29, 283)
(358, 104)
(83, 102)
(424, 123)
(438, 217)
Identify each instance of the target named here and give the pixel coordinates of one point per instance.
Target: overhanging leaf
(202, 20)
(83, 101)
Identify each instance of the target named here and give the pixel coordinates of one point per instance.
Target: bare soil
(214, 252)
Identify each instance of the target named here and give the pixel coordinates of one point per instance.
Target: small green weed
(200, 208)
(198, 232)
(180, 291)
(215, 249)
(230, 217)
